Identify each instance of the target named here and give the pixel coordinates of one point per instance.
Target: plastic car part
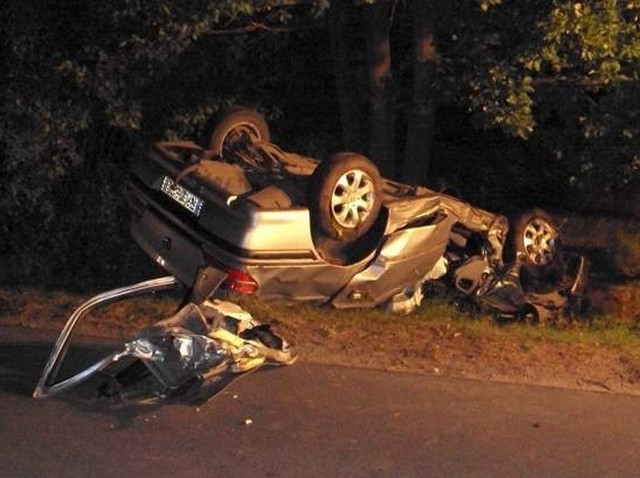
(228, 179)
(471, 274)
(271, 197)
(201, 341)
(345, 196)
(239, 281)
(406, 301)
(237, 128)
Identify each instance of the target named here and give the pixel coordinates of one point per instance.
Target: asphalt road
(314, 420)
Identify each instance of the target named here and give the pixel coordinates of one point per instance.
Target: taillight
(239, 281)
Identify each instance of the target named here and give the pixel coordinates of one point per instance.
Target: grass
(446, 322)
(24, 305)
(35, 308)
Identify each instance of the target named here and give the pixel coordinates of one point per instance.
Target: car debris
(192, 354)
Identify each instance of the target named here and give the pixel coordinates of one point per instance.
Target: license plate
(182, 196)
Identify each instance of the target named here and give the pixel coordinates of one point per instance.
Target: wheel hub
(352, 199)
(539, 242)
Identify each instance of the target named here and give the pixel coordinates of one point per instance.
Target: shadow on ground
(22, 363)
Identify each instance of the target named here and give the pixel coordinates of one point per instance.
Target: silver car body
(275, 245)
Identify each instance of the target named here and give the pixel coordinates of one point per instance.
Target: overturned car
(243, 215)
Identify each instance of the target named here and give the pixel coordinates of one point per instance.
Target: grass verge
(602, 353)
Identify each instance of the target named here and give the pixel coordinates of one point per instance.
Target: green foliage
(592, 49)
(598, 40)
(562, 75)
(516, 49)
(87, 82)
(485, 5)
(505, 97)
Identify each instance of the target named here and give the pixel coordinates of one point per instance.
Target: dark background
(88, 86)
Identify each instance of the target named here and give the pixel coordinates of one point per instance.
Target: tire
(345, 196)
(238, 127)
(535, 240)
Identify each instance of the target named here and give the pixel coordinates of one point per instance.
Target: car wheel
(345, 196)
(536, 242)
(237, 128)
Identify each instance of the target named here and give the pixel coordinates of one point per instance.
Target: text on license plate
(181, 195)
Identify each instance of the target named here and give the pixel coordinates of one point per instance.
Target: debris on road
(193, 354)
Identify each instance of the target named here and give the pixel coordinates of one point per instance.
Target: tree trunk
(421, 123)
(378, 18)
(347, 71)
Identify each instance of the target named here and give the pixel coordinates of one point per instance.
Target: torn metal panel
(425, 202)
(405, 257)
(198, 343)
(404, 211)
(46, 385)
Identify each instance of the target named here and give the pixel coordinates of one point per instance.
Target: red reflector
(241, 282)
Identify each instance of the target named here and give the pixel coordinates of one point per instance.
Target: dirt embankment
(612, 246)
(436, 340)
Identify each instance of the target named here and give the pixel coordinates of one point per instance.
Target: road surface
(311, 420)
